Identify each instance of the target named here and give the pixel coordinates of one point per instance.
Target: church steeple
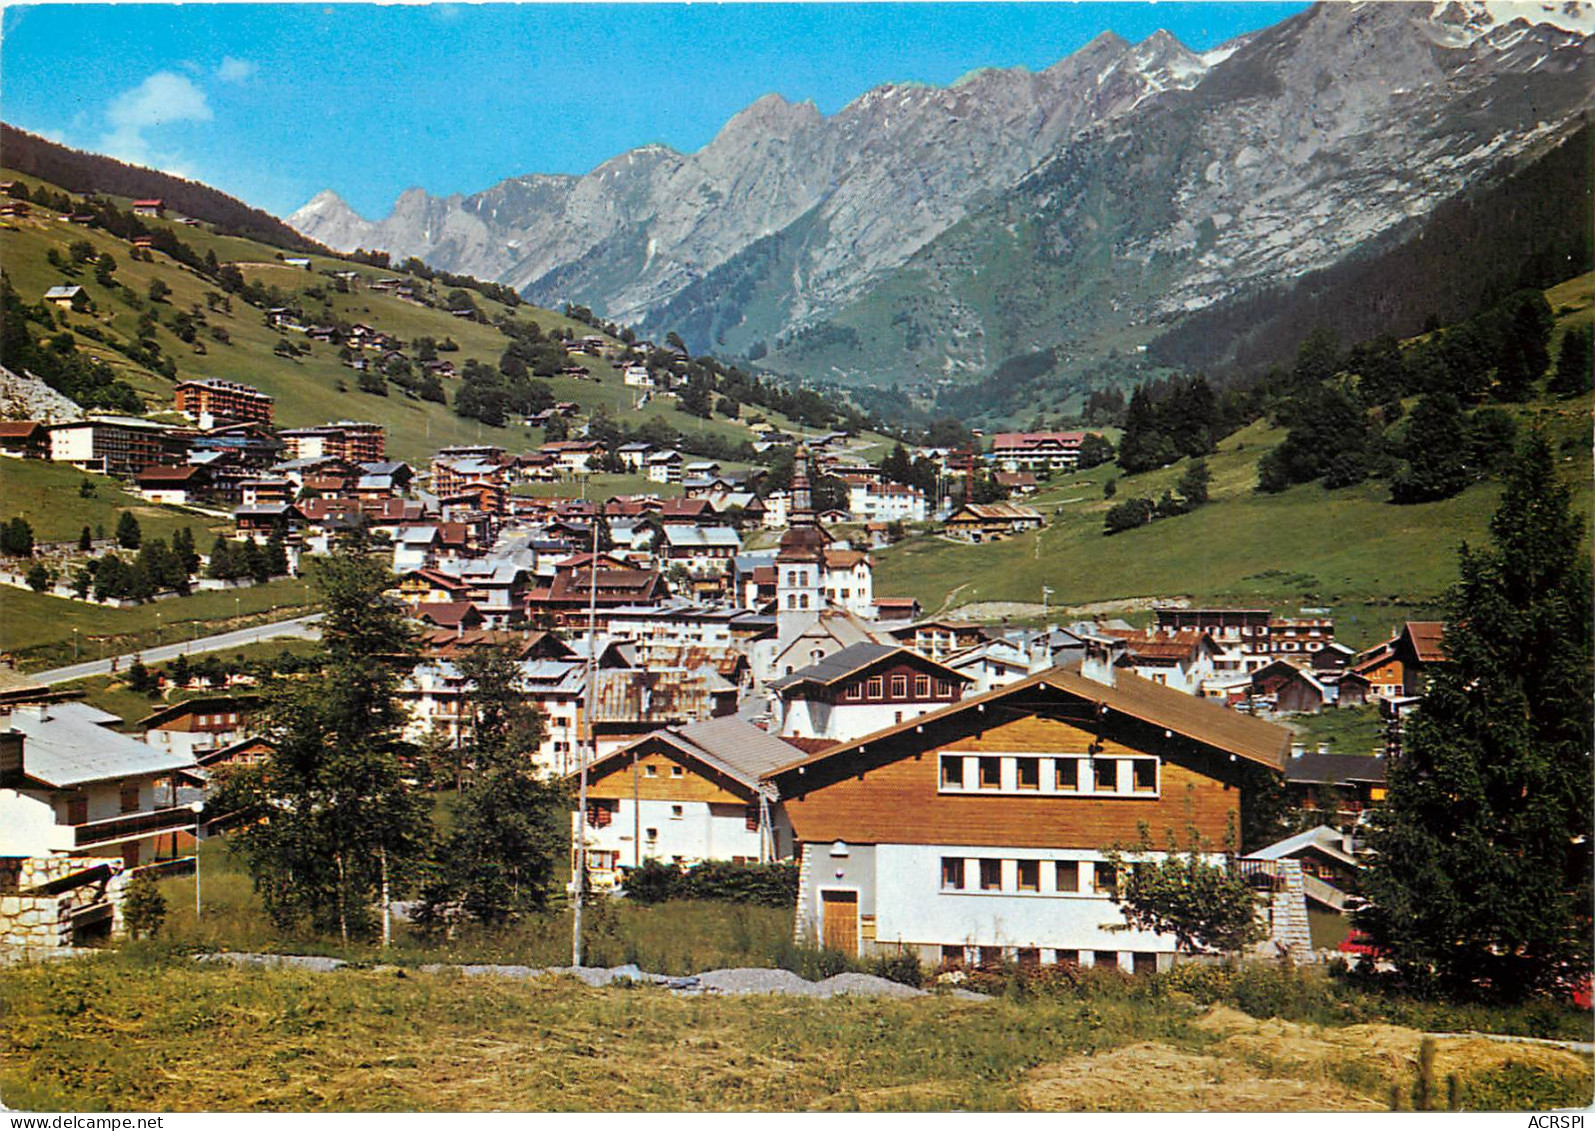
(802, 500)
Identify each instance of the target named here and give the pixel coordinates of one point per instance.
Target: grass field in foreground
(38, 630)
(150, 1030)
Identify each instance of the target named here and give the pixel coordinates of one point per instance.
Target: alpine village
(1140, 663)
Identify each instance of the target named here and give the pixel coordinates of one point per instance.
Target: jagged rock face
(942, 230)
(880, 178)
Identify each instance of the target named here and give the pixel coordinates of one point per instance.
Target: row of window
(1042, 877)
(1029, 957)
(1000, 773)
(601, 814)
(875, 688)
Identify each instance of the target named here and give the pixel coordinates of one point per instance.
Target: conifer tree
(499, 859)
(345, 828)
(1482, 867)
(128, 535)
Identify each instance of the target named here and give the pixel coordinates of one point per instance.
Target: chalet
(1017, 482)
(566, 598)
(1289, 689)
(419, 587)
(296, 261)
(977, 831)
(200, 724)
(574, 457)
(637, 377)
(871, 501)
(81, 806)
(849, 580)
(939, 638)
(177, 485)
(17, 209)
(1029, 451)
(1381, 671)
(663, 466)
(986, 522)
(634, 454)
(461, 615)
(705, 552)
(24, 439)
(153, 207)
(897, 608)
(862, 688)
(1329, 864)
(1184, 661)
(1341, 785)
(65, 295)
(684, 795)
(260, 520)
(623, 705)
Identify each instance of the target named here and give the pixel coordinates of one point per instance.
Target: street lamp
(74, 645)
(198, 807)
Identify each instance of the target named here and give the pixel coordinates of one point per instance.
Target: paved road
(302, 628)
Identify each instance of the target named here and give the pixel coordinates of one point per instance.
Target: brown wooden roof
(1186, 715)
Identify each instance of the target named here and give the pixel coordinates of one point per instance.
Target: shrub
(765, 885)
(143, 906)
(901, 967)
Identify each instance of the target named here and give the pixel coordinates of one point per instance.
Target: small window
(1106, 879)
(1067, 957)
(1066, 775)
(1027, 957)
(1145, 775)
(1107, 959)
(952, 873)
(952, 956)
(1029, 875)
(1029, 772)
(650, 771)
(899, 687)
(677, 771)
(991, 956)
(652, 835)
(991, 773)
(855, 691)
(675, 812)
(1106, 772)
(944, 687)
(921, 686)
(1068, 876)
(991, 875)
(876, 687)
(952, 771)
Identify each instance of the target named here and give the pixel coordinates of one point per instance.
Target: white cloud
(236, 70)
(160, 100)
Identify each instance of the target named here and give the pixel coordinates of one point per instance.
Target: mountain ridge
(941, 230)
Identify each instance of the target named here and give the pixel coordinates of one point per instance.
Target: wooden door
(840, 923)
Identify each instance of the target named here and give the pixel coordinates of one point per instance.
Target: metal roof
(64, 744)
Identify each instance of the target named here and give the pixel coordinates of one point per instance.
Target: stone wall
(35, 919)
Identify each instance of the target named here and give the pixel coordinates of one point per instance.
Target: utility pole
(592, 750)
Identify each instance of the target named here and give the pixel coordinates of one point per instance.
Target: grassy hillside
(1373, 562)
(313, 388)
(49, 496)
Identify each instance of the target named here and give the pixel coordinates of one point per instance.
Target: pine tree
(128, 535)
(499, 859)
(345, 828)
(1482, 866)
(1573, 369)
(86, 541)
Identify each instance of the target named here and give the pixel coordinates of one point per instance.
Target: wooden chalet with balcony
(977, 832)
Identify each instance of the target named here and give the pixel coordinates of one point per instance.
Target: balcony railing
(177, 819)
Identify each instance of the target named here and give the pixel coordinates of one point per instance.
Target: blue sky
(273, 103)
